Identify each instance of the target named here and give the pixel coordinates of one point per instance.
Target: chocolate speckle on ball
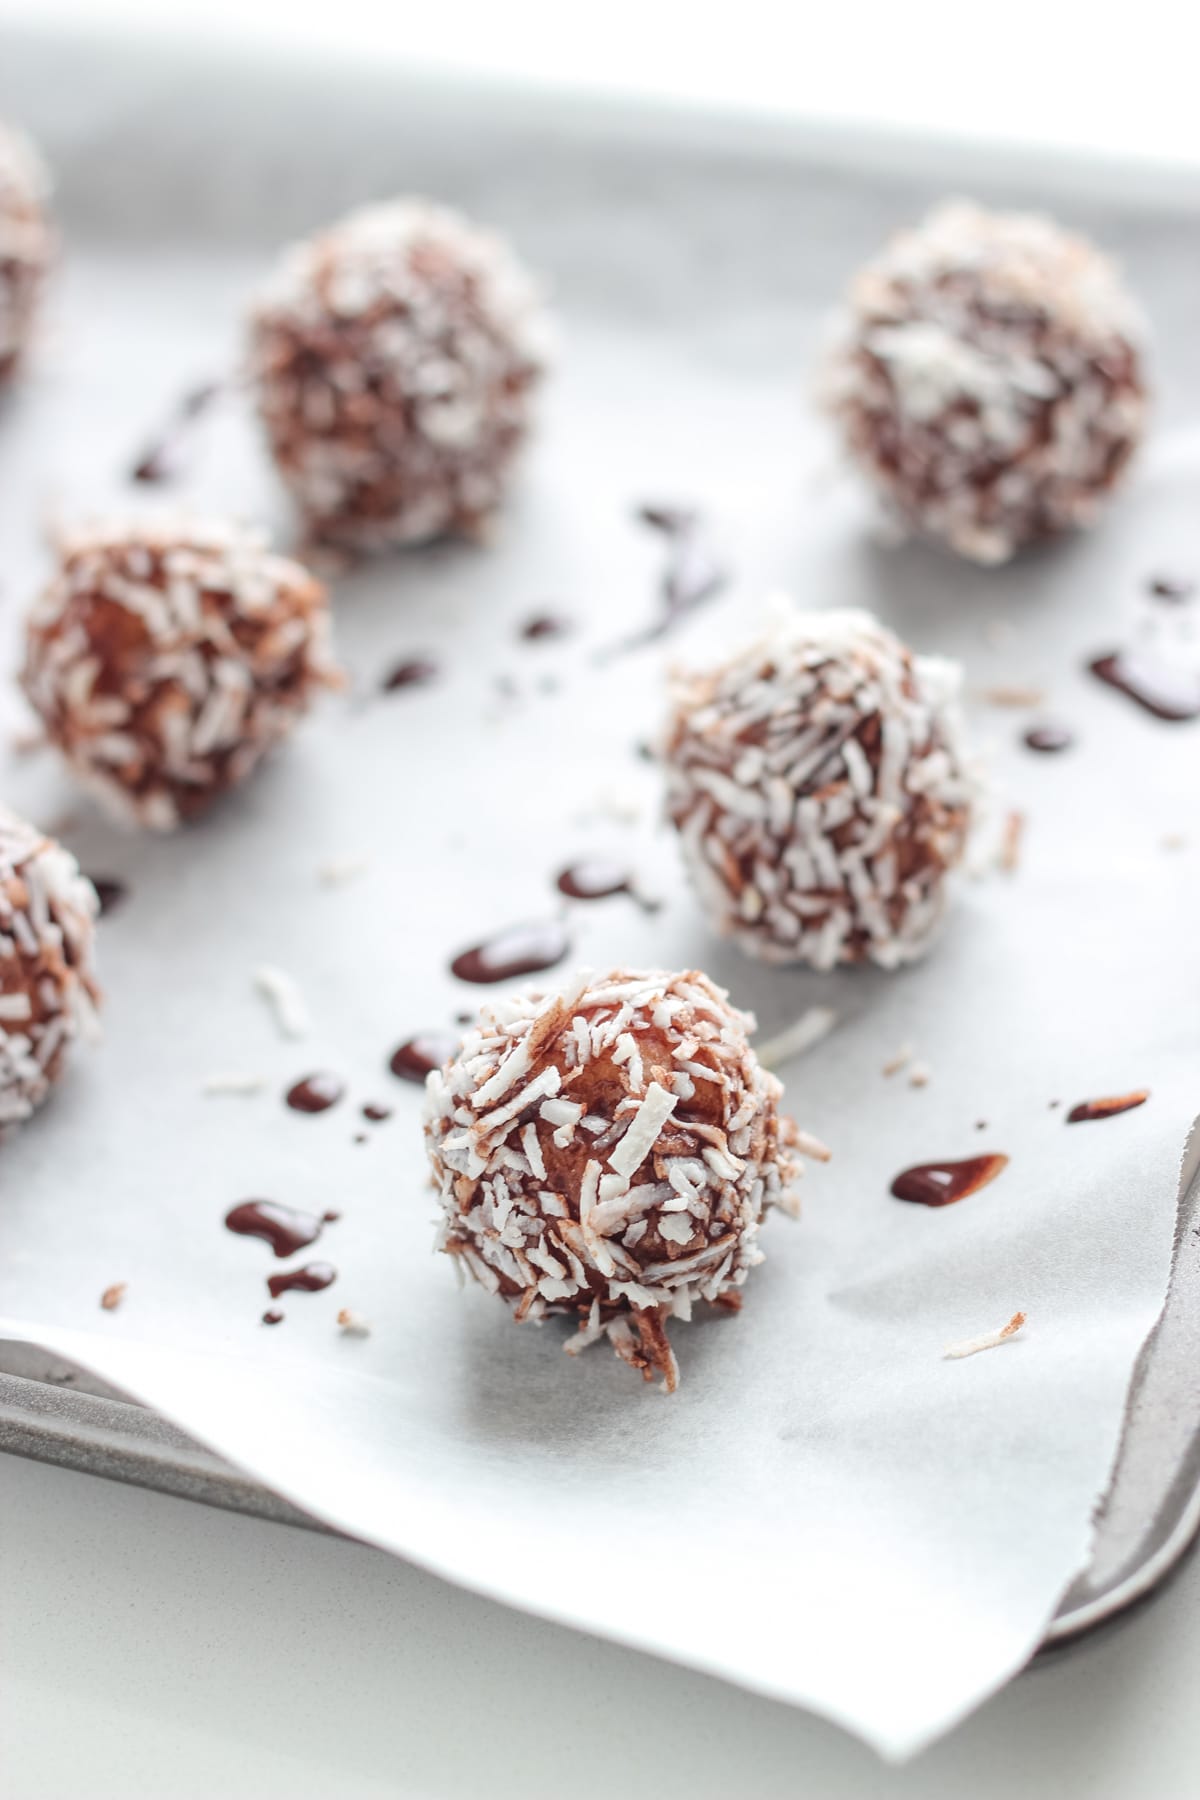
(395, 357)
(988, 379)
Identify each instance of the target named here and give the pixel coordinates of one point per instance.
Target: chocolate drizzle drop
(1168, 693)
(544, 625)
(283, 1227)
(311, 1279)
(376, 1112)
(1172, 588)
(315, 1093)
(167, 457)
(273, 1316)
(693, 573)
(941, 1184)
(692, 576)
(592, 879)
(518, 950)
(417, 1056)
(110, 892)
(418, 671)
(1049, 738)
(672, 521)
(1107, 1108)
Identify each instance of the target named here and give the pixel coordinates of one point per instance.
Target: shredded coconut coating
(819, 788)
(48, 992)
(27, 242)
(166, 658)
(608, 1153)
(988, 379)
(395, 357)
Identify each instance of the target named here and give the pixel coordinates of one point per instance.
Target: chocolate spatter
(167, 457)
(1049, 738)
(1107, 1108)
(1169, 693)
(941, 1184)
(518, 950)
(273, 1316)
(693, 573)
(1171, 587)
(593, 879)
(285, 1228)
(109, 891)
(692, 576)
(330, 1217)
(414, 1059)
(311, 1279)
(418, 671)
(672, 521)
(544, 625)
(376, 1112)
(315, 1093)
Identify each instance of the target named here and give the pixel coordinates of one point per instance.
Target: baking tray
(1146, 1523)
(58, 1414)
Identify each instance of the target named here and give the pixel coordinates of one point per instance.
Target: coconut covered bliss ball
(166, 658)
(26, 242)
(608, 1153)
(988, 380)
(48, 993)
(819, 788)
(395, 357)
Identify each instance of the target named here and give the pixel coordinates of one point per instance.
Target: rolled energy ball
(989, 379)
(820, 793)
(395, 357)
(48, 994)
(166, 658)
(608, 1153)
(26, 243)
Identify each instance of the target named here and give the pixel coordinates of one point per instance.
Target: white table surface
(1054, 75)
(156, 1650)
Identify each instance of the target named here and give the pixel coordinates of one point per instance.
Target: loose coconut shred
(608, 1154)
(989, 1340)
(821, 792)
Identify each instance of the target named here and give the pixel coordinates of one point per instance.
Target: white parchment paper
(828, 1511)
